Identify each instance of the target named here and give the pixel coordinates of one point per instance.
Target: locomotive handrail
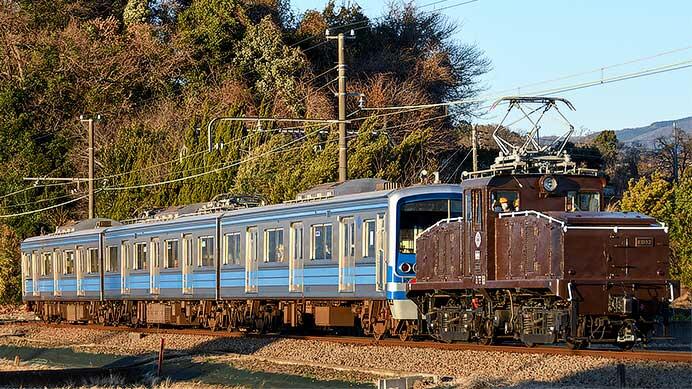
(448, 220)
(565, 227)
(536, 213)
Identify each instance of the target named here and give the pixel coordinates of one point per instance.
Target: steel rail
(634, 355)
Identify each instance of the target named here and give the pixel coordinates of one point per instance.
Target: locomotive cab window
(416, 216)
(583, 201)
(504, 201)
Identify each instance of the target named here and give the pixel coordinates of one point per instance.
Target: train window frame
(111, 266)
(573, 194)
(46, 263)
(57, 261)
(369, 235)
(494, 198)
(140, 260)
(477, 198)
(68, 256)
(313, 241)
(90, 260)
(279, 250)
(166, 254)
(232, 257)
(205, 243)
(26, 265)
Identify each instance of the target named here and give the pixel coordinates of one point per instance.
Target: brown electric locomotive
(535, 257)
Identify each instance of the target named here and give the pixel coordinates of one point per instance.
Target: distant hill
(646, 136)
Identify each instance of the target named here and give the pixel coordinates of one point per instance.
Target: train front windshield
(416, 216)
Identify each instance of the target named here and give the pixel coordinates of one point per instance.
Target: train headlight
(549, 183)
(405, 267)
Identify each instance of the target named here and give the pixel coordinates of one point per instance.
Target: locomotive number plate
(644, 242)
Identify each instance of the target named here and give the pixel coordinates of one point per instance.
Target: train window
(232, 249)
(321, 241)
(112, 260)
(140, 256)
(347, 236)
(47, 264)
(380, 261)
(69, 262)
(469, 206)
(369, 238)
(416, 216)
(93, 261)
(172, 254)
(205, 251)
(297, 245)
(274, 245)
(477, 207)
(295, 266)
(583, 201)
(504, 201)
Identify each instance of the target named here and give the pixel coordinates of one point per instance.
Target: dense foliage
(158, 71)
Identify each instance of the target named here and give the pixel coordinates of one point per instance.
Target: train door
(187, 264)
(80, 268)
(380, 258)
(347, 255)
(35, 281)
(251, 258)
(155, 265)
(474, 236)
(125, 266)
(295, 257)
(57, 272)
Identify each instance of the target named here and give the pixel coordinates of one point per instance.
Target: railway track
(640, 355)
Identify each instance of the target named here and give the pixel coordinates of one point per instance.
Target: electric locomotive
(536, 258)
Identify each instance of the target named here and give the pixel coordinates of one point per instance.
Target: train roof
(371, 193)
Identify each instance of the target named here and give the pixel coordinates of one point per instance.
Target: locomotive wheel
(576, 344)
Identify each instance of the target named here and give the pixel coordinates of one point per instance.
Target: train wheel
(576, 344)
(625, 346)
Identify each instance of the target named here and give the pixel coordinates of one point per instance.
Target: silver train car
(338, 256)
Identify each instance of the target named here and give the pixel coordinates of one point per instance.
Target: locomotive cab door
(475, 242)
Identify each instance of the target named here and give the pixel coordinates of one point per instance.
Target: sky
(537, 40)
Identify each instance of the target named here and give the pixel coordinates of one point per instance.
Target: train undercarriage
(534, 317)
(367, 318)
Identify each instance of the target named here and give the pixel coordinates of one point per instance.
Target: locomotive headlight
(549, 183)
(405, 267)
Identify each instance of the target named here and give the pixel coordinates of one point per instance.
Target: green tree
(136, 11)
(10, 266)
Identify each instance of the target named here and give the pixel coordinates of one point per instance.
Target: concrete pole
(343, 150)
(474, 147)
(90, 123)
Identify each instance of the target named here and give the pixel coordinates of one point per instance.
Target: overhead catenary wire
(622, 77)
(44, 209)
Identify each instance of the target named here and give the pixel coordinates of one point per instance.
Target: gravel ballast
(364, 363)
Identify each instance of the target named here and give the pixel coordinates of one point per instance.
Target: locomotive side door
(473, 199)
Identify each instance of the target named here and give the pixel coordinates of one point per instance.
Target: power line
(641, 73)
(227, 166)
(43, 209)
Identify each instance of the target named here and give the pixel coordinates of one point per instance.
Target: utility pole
(474, 147)
(341, 96)
(90, 179)
(675, 152)
(90, 137)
